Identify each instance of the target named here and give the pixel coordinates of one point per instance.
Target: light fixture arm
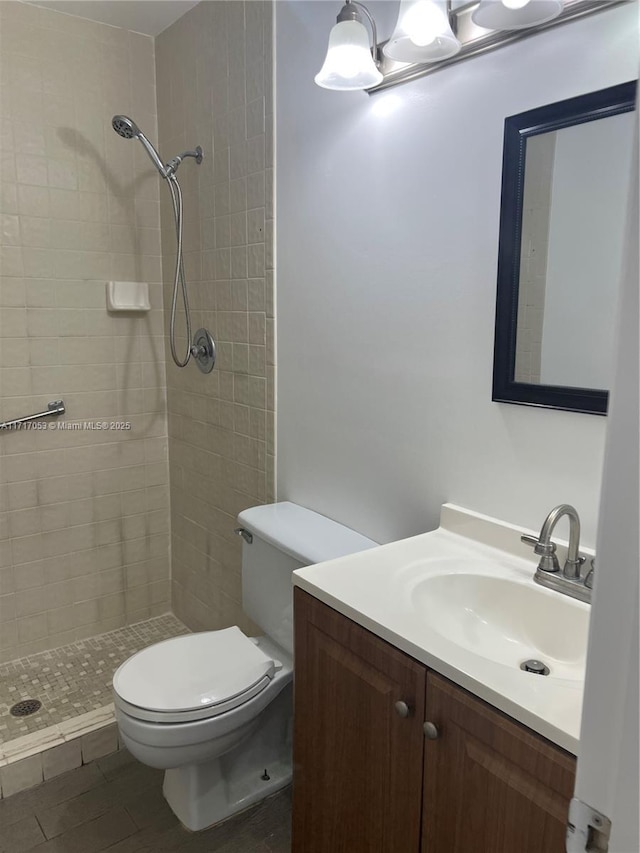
(453, 20)
(349, 12)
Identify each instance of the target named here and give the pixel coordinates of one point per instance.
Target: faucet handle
(588, 581)
(546, 551)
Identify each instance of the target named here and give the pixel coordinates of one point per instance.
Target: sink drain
(25, 708)
(535, 666)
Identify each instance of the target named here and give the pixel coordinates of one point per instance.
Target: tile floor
(116, 805)
(73, 679)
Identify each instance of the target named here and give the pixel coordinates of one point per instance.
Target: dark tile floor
(116, 805)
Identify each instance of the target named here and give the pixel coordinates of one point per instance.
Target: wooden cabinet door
(357, 763)
(490, 784)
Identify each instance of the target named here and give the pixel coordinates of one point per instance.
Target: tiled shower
(105, 528)
(85, 543)
(215, 90)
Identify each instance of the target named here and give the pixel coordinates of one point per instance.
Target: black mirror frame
(517, 129)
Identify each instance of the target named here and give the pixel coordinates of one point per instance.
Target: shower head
(125, 127)
(128, 129)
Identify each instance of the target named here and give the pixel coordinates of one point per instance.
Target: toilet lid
(192, 672)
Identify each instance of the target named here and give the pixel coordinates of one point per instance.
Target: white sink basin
(506, 620)
(462, 600)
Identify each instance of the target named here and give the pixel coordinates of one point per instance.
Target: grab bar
(56, 407)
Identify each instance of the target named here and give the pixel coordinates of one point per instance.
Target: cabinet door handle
(402, 709)
(431, 731)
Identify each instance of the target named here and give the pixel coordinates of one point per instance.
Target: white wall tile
(64, 171)
(209, 429)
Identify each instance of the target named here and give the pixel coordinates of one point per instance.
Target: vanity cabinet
(368, 780)
(490, 784)
(357, 761)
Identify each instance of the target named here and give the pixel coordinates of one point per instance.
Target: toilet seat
(192, 677)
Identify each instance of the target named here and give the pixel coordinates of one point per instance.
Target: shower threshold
(75, 723)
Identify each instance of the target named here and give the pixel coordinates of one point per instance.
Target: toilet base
(201, 795)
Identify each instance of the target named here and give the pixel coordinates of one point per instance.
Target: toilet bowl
(223, 748)
(214, 709)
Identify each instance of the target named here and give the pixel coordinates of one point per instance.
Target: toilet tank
(286, 537)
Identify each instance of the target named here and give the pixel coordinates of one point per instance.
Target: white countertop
(375, 589)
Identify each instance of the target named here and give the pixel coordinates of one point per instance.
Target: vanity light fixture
(433, 34)
(423, 32)
(515, 14)
(351, 63)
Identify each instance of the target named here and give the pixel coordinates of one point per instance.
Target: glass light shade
(349, 64)
(422, 34)
(510, 15)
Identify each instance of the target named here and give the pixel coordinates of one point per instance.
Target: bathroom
(372, 405)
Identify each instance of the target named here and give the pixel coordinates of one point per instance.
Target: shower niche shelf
(130, 296)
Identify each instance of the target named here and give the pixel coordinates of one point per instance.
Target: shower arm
(172, 166)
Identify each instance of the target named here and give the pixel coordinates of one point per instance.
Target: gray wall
(387, 216)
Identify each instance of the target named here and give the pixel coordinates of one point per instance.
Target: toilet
(214, 709)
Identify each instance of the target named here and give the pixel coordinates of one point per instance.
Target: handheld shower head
(125, 127)
(128, 129)
(202, 350)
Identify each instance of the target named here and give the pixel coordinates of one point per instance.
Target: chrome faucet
(570, 582)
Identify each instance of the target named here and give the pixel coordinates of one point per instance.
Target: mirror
(565, 178)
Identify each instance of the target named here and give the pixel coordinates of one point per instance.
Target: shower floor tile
(73, 679)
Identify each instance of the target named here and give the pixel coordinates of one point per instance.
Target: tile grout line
(41, 828)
